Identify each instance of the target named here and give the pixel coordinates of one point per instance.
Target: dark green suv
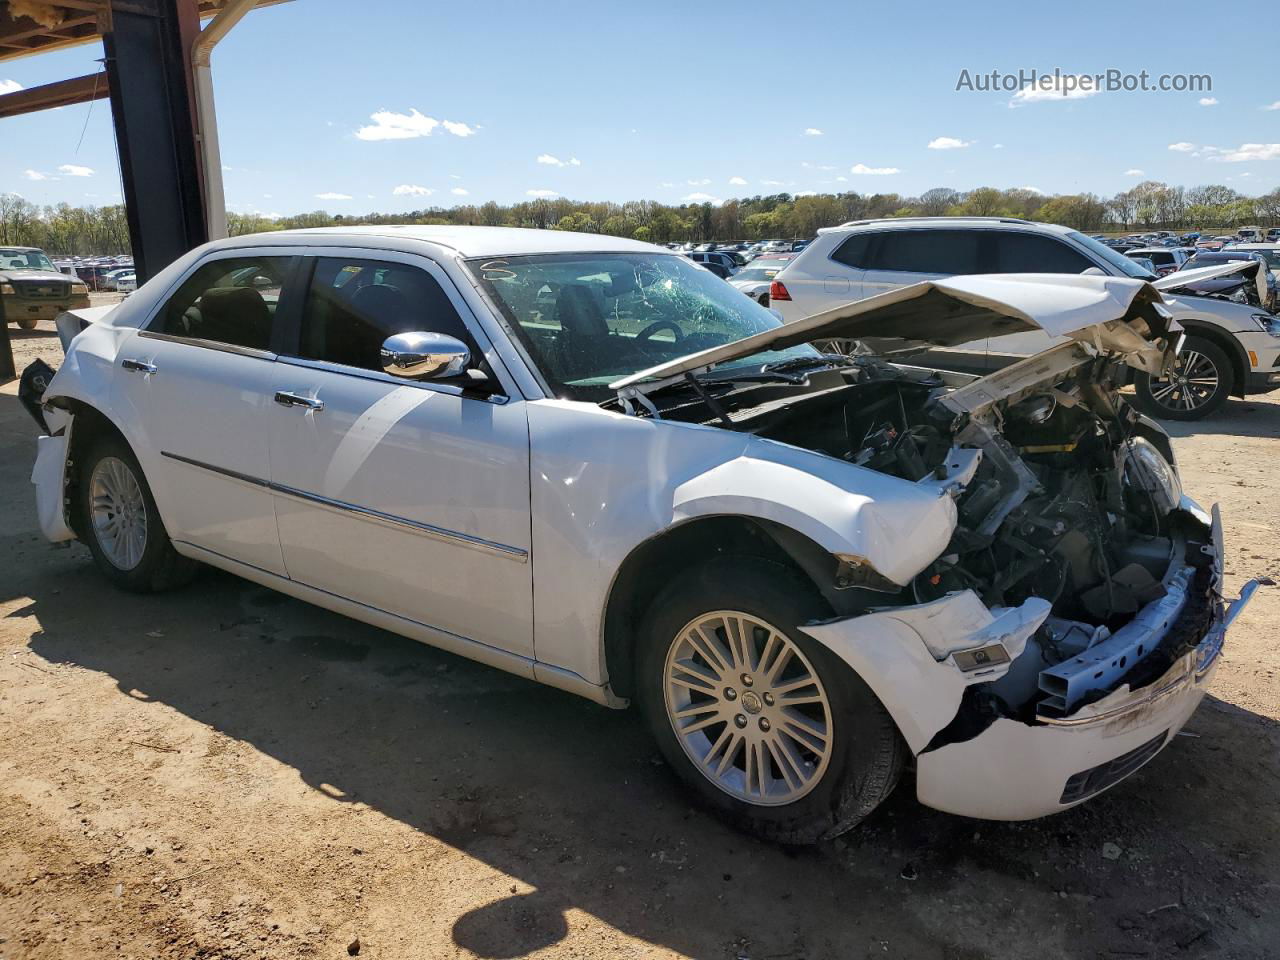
(32, 289)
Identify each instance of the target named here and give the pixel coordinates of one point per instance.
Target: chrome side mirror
(424, 356)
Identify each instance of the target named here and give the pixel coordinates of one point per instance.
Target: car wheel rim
(119, 513)
(748, 708)
(1190, 385)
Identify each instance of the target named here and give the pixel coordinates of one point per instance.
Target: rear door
(198, 380)
(1017, 251)
(410, 497)
(899, 258)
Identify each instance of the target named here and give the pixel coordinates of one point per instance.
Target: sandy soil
(223, 772)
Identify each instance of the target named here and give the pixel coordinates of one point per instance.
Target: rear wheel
(1200, 382)
(120, 523)
(27, 323)
(771, 729)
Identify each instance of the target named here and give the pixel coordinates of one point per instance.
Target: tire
(822, 795)
(1210, 382)
(27, 323)
(112, 494)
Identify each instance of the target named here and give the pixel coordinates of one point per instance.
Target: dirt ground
(223, 772)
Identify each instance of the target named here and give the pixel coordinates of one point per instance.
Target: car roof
(942, 223)
(465, 241)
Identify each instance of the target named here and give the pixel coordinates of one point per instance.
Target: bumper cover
(1016, 770)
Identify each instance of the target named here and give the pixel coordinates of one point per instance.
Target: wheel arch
(676, 549)
(90, 423)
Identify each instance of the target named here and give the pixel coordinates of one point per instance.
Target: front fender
(894, 527)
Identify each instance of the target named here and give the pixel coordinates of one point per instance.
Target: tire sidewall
(1226, 377)
(157, 553)
(774, 594)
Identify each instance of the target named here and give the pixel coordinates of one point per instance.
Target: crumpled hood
(1096, 310)
(1193, 281)
(37, 276)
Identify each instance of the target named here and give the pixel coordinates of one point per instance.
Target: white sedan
(589, 462)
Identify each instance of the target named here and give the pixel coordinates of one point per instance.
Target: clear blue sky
(666, 100)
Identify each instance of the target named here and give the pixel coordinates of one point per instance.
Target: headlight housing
(78, 287)
(6, 290)
(1146, 469)
(1267, 323)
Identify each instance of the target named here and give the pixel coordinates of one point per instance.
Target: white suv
(1231, 348)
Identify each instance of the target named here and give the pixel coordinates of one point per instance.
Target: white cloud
(388, 125)
(698, 183)
(35, 175)
(460, 192)
(75, 170)
(948, 143)
(666, 184)
(1033, 190)
(700, 198)
(1245, 152)
(550, 161)
(9, 86)
(737, 182)
(454, 176)
(1272, 106)
(863, 170)
(771, 183)
(411, 190)
(812, 132)
(1064, 87)
(330, 195)
(1133, 172)
(1208, 101)
(842, 179)
(807, 193)
(541, 194)
(997, 146)
(1182, 147)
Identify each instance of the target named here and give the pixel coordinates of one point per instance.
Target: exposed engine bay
(1063, 492)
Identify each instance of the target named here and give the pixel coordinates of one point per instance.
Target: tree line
(64, 230)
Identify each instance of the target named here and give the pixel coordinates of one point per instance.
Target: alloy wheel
(748, 708)
(119, 512)
(1190, 385)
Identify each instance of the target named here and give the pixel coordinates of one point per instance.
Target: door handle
(140, 366)
(286, 399)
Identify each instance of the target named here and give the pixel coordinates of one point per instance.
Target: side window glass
(231, 301)
(945, 252)
(1029, 253)
(352, 306)
(854, 251)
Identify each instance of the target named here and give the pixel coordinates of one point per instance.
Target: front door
(198, 381)
(408, 497)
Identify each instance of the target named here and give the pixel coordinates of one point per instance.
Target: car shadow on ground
(16, 333)
(572, 799)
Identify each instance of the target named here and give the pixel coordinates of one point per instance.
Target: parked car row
(1232, 348)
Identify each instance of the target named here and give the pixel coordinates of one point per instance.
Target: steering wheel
(657, 325)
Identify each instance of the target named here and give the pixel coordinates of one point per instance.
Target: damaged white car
(589, 462)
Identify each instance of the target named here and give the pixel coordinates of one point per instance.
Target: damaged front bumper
(920, 660)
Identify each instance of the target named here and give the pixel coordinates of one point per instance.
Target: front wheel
(771, 729)
(1200, 382)
(27, 323)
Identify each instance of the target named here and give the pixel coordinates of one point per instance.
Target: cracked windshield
(588, 320)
